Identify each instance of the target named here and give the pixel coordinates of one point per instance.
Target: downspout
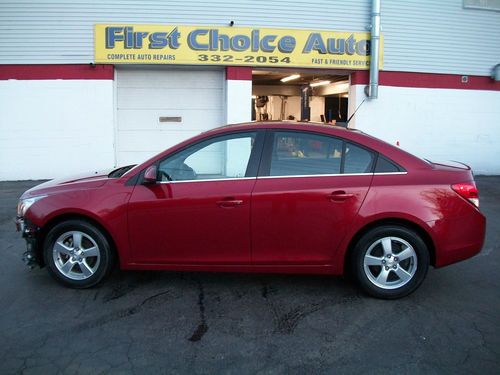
(375, 49)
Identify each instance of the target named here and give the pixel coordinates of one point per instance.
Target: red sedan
(271, 197)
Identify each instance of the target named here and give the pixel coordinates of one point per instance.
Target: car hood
(88, 180)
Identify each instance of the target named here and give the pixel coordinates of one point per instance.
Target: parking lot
(159, 322)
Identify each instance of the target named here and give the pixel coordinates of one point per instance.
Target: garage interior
(300, 96)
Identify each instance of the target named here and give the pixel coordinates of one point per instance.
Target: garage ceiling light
(319, 83)
(290, 78)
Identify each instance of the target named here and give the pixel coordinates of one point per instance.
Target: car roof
(315, 127)
(276, 124)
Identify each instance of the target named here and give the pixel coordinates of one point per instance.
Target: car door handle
(226, 203)
(339, 196)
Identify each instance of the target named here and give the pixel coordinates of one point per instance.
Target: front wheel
(390, 261)
(77, 254)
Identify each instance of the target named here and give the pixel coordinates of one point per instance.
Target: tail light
(467, 190)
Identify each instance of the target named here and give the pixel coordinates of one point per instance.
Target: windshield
(118, 172)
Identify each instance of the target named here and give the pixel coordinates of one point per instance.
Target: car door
(309, 189)
(199, 210)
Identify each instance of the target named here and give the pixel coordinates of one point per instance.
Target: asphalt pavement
(177, 323)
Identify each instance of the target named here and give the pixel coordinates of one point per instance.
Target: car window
(297, 153)
(384, 165)
(217, 158)
(358, 159)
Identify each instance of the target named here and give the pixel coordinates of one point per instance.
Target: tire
(390, 261)
(77, 254)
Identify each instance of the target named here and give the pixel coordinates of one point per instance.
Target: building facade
(93, 84)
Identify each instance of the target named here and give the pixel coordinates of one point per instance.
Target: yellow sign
(205, 45)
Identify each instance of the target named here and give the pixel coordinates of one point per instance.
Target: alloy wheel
(390, 262)
(76, 255)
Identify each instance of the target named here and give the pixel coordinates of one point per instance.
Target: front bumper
(29, 231)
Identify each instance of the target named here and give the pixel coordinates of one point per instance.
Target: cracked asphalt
(167, 322)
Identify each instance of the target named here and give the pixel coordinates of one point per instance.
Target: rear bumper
(458, 238)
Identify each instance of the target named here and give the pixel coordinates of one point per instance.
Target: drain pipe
(374, 50)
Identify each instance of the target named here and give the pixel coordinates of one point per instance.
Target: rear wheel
(390, 261)
(77, 254)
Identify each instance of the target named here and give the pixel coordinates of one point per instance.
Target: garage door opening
(300, 96)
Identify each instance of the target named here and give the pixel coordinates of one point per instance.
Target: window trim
(288, 176)
(260, 158)
(333, 175)
(208, 180)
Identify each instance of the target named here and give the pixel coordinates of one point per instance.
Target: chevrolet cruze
(261, 197)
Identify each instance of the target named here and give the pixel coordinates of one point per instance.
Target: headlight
(24, 204)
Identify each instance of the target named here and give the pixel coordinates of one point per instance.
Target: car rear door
(309, 189)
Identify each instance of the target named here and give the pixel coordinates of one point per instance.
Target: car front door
(309, 189)
(198, 212)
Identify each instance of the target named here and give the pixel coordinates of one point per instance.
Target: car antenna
(360, 104)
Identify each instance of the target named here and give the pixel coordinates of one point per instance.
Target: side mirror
(150, 175)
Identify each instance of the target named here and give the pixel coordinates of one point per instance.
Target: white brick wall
(54, 128)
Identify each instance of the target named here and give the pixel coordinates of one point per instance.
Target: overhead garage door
(147, 94)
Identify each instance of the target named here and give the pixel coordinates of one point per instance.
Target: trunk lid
(450, 164)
